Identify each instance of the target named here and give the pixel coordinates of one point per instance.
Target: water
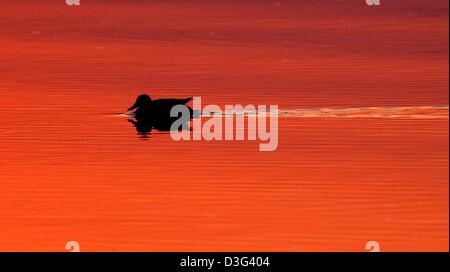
(71, 169)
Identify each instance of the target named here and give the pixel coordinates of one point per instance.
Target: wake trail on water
(417, 112)
(414, 112)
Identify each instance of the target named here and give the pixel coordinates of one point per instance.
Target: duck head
(141, 102)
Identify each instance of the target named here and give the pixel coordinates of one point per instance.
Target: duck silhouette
(151, 114)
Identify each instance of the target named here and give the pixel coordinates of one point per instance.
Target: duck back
(160, 109)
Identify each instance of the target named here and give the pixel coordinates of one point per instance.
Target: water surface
(71, 169)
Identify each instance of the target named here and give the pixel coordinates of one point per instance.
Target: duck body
(160, 109)
(156, 113)
(156, 109)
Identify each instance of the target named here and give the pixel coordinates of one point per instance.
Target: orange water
(70, 169)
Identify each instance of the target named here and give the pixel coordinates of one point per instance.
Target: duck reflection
(147, 114)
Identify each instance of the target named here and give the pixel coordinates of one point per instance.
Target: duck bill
(133, 107)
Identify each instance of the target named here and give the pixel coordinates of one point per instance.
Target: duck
(159, 109)
(147, 114)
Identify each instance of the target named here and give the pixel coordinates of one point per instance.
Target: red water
(73, 170)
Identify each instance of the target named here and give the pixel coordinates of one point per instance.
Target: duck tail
(188, 99)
